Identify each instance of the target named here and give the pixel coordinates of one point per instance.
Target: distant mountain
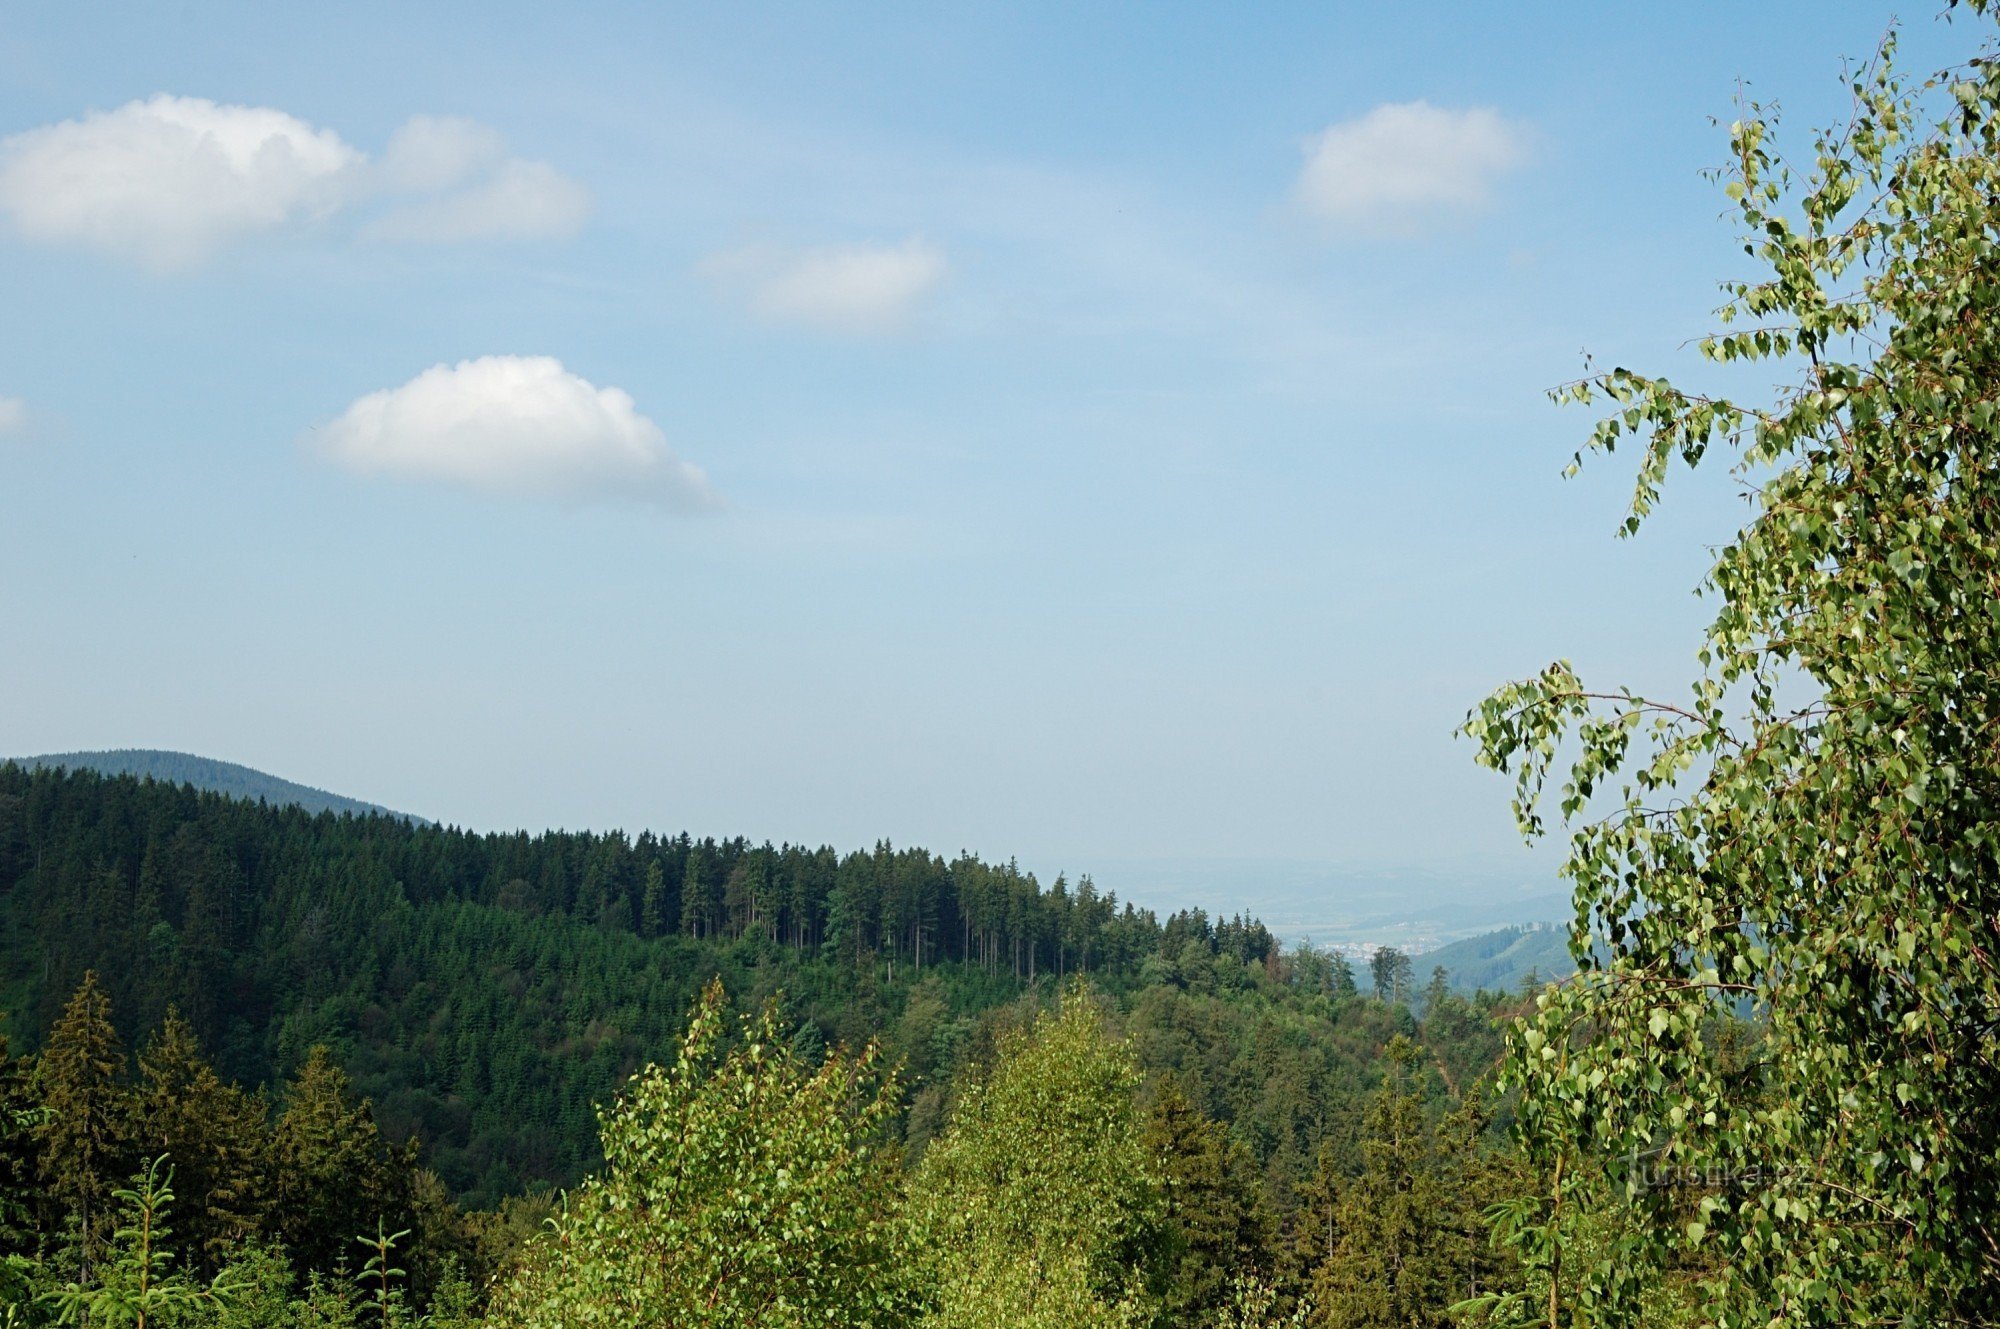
(1498, 961)
(221, 777)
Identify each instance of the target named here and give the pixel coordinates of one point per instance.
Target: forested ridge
(222, 777)
(459, 1006)
(488, 990)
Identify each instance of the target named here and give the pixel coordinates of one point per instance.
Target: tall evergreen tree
(330, 1178)
(1406, 1239)
(212, 1133)
(653, 910)
(1220, 1229)
(79, 1082)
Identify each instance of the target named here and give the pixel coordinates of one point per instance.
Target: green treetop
(738, 1189)
(212, 1132)
(81, 1134)
(1040, 1204)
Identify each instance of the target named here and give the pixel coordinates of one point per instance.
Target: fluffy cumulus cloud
(862, 290)
(1405, 163)
(13, 415)
(168, 181)
(521, 426)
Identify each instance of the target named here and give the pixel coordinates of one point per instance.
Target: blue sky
(1109, 435)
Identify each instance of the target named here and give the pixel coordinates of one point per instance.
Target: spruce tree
(82, 1138)
(329, 1177)
(213, 1133)
(1406, 1239)
(1220, 1231)
(653, 909)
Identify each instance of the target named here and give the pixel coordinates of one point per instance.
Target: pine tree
(1406, 1239)
(330, 1179)
(213, 1133)
(653, 910)
(1213, 1207)
(82, 1139)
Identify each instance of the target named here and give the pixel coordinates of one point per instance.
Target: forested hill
(1505, 958)
(220, 777)
(487, 991)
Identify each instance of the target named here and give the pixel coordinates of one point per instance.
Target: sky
(1108, 436)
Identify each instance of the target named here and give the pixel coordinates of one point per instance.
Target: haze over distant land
(1353, 908)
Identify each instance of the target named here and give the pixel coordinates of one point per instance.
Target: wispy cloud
(852, 290)
(1405, 163)
(169, 181)
(476, 190)
(521, 426)
(13, 415)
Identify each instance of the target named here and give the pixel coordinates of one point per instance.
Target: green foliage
(82, 1133)
(331, 1177)
(1040, 1205)
(1219, 1230)
(216, 1136)
(488, 988)
(1256, 1304)
(739, 1188)
(137, 1284)
(1394, 974)
(381, 1282)
(18, 1274)
(260, 1295)
(1809, 837)
(1406, 1239)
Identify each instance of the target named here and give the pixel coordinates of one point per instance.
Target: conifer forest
(271, 1066)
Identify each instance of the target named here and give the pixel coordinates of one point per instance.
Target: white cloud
(1405, 162)
(430, 153)
(169, 181)
(517, 200)
(849, 289)
(13, 415)
(521, 426)
(165, 182)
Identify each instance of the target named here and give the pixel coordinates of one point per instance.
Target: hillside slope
(488, 992)
(1500, 961)
(211, 776)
